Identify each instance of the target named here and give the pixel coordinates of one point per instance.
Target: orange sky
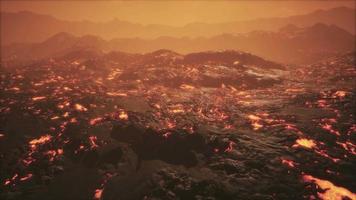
(174, 13)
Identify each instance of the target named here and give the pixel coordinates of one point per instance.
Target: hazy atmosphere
(174, 13)
(177, 100)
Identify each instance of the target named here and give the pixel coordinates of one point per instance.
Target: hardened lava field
(210, 125)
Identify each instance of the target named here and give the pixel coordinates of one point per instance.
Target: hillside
(31, 27)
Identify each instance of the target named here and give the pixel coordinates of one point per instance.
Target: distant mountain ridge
(27, 27)
(291, 44)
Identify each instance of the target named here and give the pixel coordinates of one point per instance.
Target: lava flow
(112, 133)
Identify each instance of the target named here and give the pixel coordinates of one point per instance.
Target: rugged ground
(214, 125)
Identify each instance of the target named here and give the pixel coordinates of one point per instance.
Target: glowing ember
(292, 127)
(348, 146)
(54, 118)
(157, 106)
(63, 105)
(79, 107)
(166, 135)
(340, 94)
(92, 140)
(28, 161)
(28, 176)
(230, 147)
(187, 87)
(97, 194)
(67, 89)
(43, 139)
(38, 98)
(171, 125)
(295, 90)
(254, 117)
(306, 143)
(116, 94)
(95, 121)
(7, 182)
(256, 125)
(255, 121)
(15, 89)
(66, 114)
(331, 192)
(60, 151)
(322, 103)
(329, 128)
(178, 110)
(324, 154)
(228, 126)
(289, 163)
(53, 153)
(123, 115)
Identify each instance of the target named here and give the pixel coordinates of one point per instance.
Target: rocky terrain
(160, 125)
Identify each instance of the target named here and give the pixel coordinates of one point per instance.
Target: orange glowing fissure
(43, 139)
(310, 144)
(15, 177)
(329, 128)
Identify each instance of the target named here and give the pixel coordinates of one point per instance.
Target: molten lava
(330, 191)
(306, 143)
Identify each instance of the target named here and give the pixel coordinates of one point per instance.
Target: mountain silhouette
(290, 44)
(25, 27)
